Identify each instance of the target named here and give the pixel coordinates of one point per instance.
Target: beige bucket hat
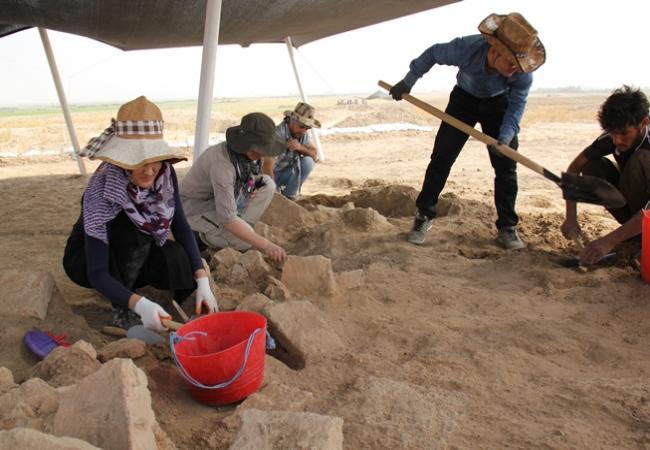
(515, 39)
(134, 139)
(303, 113)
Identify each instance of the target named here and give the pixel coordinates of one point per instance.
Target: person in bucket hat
(294, 165)
(224, 194)
(121, 240)
(492, 84)
(624, 118)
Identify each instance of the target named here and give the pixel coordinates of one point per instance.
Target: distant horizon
(364, 95)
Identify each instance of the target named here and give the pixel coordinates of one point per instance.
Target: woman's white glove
(151, 313)
(205, 297)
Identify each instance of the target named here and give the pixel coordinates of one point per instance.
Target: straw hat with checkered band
(515, 39)
(303, 113)
(134, 138)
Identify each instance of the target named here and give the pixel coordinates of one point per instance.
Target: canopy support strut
(206, 85)
(321, 155)
(62, 100)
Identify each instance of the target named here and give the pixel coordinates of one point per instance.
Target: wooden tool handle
(488, 140)
(171, 324)
(180, 311)
(114, 331)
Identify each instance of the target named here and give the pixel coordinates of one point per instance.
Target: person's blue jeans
(289, 180)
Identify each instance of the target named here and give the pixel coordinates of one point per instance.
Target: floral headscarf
(110, 190)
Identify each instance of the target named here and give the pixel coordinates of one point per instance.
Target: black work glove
(399, 89)
(494, 150)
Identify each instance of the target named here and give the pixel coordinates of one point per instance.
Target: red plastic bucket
(221, 355)
(645, 244)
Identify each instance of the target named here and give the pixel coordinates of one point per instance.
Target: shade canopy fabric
(148, 24)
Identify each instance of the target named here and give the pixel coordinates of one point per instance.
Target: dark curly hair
(626, 107)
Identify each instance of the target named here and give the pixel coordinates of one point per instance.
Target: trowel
(575, 262)
(148, 336)
(142, 333)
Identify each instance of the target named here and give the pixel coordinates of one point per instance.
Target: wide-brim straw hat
(304, 113)
(515, 39)
(256, 133)
(138, 137)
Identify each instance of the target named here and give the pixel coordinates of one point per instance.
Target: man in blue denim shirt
(493, 81)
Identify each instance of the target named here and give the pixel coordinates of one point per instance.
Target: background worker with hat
(224, 195)
(294, 165)
(493, 81)
(130, 204)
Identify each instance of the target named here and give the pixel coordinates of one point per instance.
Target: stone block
(110, 409)
(276, 372)
(302, 329)
(278, 397)
(226, 257)
(254, 263)
(123, 348)
(25, 293)
(6, 380)
(65, 366)
(237, 275)
(228, 298)
(281, 429)
(30, 405)
(284, 213)
(30, 439)
(263, 230)
(86, 347)
(309, 275)
(255, 303)
(276, 290)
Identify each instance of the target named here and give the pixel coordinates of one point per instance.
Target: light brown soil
(547, 357)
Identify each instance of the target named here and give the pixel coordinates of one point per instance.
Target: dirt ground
(519, 351)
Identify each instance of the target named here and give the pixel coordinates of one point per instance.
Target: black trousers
(633, 181)
(134, 260)
(449, 142)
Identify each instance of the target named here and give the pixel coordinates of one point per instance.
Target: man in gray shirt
(224, 195)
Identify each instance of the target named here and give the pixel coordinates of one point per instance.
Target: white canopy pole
(321, 155)
(62, 100)
(206, 86)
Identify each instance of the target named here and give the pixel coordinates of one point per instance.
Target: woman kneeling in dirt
(120, 241)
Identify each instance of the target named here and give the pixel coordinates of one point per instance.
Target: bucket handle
(174, 339)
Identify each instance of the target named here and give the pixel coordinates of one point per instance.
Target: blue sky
(596, 44)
